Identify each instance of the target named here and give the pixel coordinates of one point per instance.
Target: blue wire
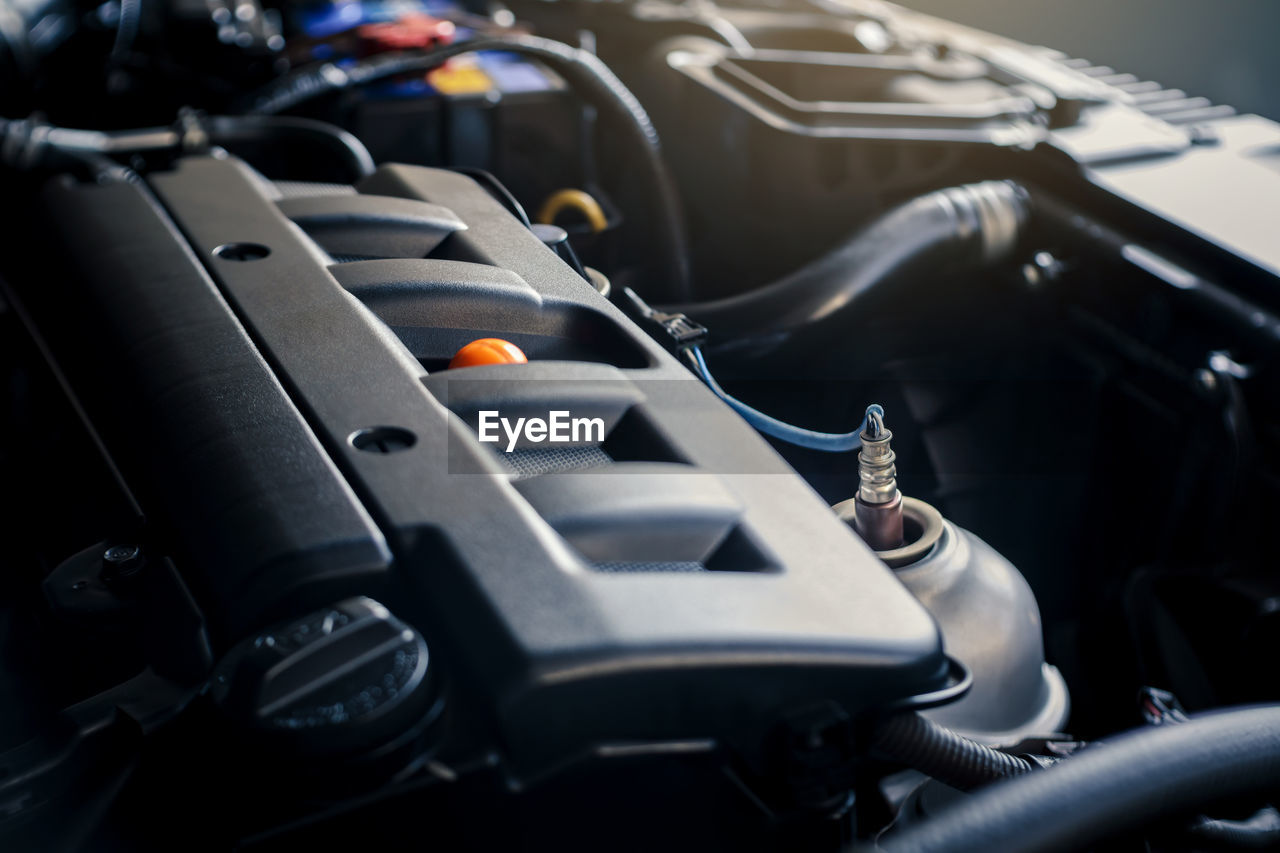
(799, 436)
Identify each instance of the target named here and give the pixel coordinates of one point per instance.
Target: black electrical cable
(1110, 787)
(940, 753)
(27, 145)
(979, 223)
(30, 144)
(581, 69)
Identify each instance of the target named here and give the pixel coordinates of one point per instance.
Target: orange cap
(488, 351)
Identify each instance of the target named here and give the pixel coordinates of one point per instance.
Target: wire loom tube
(1260, 832)
(583, 70)
(1116, 785)
(938, 752)
(980, 222)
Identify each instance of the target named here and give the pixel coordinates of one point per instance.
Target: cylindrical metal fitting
(879, 525)
(877, 473)
(878, 512)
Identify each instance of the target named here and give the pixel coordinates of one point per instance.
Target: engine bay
(581, 425)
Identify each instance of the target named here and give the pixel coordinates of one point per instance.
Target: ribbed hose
(978, 223)
(130, 17)
(1260, 832)
(582, 70)
(1116, 785)
(942, 754)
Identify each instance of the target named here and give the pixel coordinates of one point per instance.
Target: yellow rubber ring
(576, 200)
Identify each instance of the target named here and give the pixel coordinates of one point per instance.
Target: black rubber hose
(498, 190)
(923, 745)
(1110, 787)
(581, 69)
(253, 129)
(976, 222)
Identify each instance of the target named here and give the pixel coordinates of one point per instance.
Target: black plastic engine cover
(513, 578)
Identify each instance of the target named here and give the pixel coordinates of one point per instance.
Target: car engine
(580, 425)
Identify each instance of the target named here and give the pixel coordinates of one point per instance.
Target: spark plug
(878, 504)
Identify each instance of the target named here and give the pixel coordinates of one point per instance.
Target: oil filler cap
(488, 351)
(347, 678)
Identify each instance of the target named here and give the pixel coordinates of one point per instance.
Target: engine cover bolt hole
(383, 439)
(241, 251)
